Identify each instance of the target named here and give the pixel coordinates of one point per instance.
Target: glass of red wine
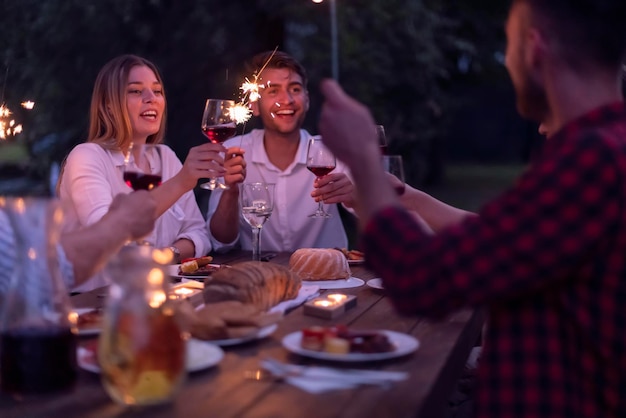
(382, 139)
(320, 161)
(143, 170)
(218, 124)
(393, 165)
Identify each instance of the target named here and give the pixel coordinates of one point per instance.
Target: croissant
(262, 284)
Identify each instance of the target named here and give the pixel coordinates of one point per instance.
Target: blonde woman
(128, 106)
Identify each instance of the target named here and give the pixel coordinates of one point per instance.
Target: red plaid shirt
(548, 259)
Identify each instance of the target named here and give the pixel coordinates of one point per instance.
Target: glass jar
(37, 330)
(141, 349)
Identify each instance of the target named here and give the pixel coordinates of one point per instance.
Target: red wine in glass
(220, 133)
(38, 360)
(320, 161)
(218, 124)
(141, 181)
(321, 170)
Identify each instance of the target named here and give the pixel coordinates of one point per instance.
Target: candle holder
(191, 291)
(329, 306)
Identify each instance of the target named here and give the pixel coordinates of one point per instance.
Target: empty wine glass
(144, 172)
(257, 203)
(393, 164)
(382, 139)
(320, 161)
(218, 124)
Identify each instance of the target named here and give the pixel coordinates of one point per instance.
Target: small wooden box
(329, 306)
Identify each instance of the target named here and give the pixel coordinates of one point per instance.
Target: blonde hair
(109, 123)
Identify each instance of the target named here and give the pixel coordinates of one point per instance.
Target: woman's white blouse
(92, 176)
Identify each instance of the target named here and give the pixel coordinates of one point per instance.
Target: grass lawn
(469, 186)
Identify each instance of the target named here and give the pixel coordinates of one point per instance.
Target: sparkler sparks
(8, 126)
(250, 94)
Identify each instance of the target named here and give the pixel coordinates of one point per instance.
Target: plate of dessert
(89, 320)
(340, 343)
(200, 355)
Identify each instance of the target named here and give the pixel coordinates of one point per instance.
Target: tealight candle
(323, 303)
(188, 290)
(329, 306)
(337, 297)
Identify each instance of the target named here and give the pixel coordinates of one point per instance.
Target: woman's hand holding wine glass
(320, 161)
(218, 124)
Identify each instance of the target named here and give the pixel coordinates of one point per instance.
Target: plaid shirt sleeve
(537, 234)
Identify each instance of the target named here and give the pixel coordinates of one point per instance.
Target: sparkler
(250, 94)
(8, 126)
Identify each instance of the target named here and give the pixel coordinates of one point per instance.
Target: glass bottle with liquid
(142, 349)
(38, 334)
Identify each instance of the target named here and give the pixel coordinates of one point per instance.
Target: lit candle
(337, 297)
(323, 303)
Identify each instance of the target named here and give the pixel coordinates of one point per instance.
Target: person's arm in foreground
(437, 214)
(130, 217)
(528, 238)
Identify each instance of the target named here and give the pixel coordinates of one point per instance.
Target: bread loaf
(223, 320)
(262, 284)
(319, 264)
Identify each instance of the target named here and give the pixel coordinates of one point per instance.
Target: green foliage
(399, 57)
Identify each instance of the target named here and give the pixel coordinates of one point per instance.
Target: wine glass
(145, 171)
(393, 165)
(382, 139)
(257, 203)
(218, 124)
(320, 161)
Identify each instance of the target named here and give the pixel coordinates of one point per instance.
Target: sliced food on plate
(237, 301)
(200, 266)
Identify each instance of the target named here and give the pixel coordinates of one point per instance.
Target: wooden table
(222, 391)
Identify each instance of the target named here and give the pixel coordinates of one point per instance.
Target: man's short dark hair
(586, 29)
(279, 59)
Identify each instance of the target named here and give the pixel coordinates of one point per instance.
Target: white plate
(90, 330)
(404, 344)
(200, 355)
(336, 284)
(376, 283)
(352, 262)
(174, 268)
(262, 333)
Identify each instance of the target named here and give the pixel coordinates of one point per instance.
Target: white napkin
(305, 293)
(316, 380)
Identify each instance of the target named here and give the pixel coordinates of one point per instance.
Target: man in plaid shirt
(548, 257)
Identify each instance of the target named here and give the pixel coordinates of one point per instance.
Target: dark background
(431, 71)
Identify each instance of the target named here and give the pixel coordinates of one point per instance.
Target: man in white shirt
(277, 154)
